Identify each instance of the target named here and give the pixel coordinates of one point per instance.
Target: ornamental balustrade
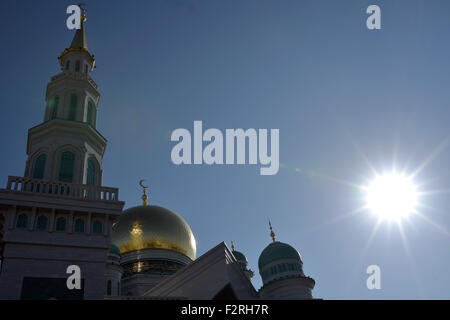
(62, 189)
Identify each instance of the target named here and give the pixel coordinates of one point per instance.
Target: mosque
(59, 214)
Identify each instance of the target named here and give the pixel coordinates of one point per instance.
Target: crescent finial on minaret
(83, 11)
(272, 234)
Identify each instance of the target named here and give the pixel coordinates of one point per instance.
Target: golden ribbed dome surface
(153, 227)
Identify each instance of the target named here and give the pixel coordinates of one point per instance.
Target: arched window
(22, 221)
(73, 107)
(39, 166)
(53, 105)
(67, 64)
(79, 225)
(61, 224)
(108, 288)
(90, 178)
(77, 66)
(90, 114)
(67, 166)
(97, 227)
(41, 223)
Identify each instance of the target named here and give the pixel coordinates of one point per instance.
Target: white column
(106, 225)
(11, 216)
(32, 219)
(70, 222)
(51, 226)
(88, 224)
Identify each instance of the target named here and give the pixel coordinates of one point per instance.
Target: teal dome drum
(276, 251)
(279, 260)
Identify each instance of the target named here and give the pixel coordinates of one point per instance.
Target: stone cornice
(66, 125)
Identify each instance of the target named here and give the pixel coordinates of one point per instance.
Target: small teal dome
(276, 251)
(114, 249)
(239, 256)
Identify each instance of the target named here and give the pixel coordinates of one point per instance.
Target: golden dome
(153, 227)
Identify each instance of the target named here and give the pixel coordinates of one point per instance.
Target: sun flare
(392, 196)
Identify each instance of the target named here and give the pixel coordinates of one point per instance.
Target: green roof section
(277, 251)
(239, 256)
(114, 249)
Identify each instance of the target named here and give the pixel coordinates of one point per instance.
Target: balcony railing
(62, 189)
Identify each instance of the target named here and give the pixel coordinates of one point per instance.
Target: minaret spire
(79, 40)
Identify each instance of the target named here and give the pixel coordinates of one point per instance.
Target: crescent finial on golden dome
(144, 196)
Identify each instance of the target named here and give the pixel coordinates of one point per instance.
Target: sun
(392, 196)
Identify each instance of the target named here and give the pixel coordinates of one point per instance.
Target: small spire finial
(83, 11)
(144, 196)
(272, 234)
(232, 245)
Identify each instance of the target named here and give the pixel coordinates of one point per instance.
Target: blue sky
(339, 93)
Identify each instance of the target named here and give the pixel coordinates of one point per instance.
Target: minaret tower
(66, 146)
(58, 214)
